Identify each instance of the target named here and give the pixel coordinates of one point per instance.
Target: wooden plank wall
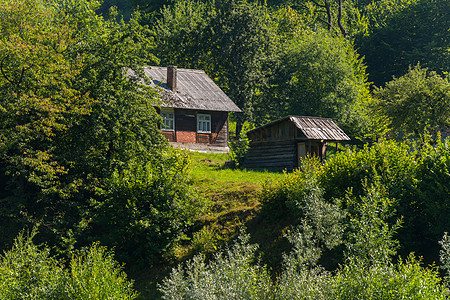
(272, 156)
(278, 132)
(219, 128)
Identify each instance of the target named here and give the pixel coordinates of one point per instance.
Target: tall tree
(415, 32)
(80, 148)
(321, 75)
(233, 41)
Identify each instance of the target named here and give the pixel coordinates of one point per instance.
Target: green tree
(233, 41)
(415, 103)
(321, 75)
(403, 34)
(74, 128)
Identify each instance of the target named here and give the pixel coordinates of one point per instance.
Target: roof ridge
(178, 69)
(311, 117)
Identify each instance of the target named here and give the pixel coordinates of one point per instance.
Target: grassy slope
(233, 194)
(233, 198)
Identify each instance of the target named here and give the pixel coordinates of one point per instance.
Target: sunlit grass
(209, 168)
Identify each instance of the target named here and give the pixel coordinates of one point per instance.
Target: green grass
(209, 167)
(233, 193)
(233, 197)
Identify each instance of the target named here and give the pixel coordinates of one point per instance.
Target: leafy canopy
(78, 139)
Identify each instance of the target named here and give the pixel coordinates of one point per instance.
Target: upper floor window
(168, 117)
(204, 123)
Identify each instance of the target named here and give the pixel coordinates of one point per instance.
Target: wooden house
(281, 144)
(194, 109)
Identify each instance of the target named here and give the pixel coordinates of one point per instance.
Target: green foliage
(321, 75)
(300, 195)
(433, 190)
(301, 277)
(445, 253)
(79, 141)
(26, 272)
(406, 280)
(205, 240)
(391, 163)
(95, 274)
(239, 148)
(414, 177)
(231, 274)
(29, 272)
(415, 103)
(405, 33)
(370, 238)
(146, 208)
(233, 41)
(368, 273)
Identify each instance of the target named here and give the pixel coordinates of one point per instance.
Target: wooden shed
(281, 144)
(194, 109)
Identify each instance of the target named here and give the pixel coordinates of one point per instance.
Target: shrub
(445, 253)
(406, 280)
(368, 272)
(390, 162)
(370, 238)
(232, 274)
(239, 148)
(300, 195)
(94, 274)
(29, 272)
(415, 177)
(146, 209)
(205, 240)
(302, 278)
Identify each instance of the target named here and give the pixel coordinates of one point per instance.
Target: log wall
(272, 156)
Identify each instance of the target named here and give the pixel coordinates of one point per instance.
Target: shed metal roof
(195, 90)
(314, 128)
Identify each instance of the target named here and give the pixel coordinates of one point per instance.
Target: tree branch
(317, 4)
(3, 72)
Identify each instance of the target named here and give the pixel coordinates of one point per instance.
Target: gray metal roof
(195, 90)
(314, 128)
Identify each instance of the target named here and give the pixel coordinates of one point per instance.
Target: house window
(168, 117)
(203, 123)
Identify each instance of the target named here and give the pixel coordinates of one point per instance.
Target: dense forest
(93, 196)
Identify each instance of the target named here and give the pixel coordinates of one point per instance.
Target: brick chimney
(172, 77)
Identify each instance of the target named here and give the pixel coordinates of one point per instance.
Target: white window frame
(168, 116)
(204, 123)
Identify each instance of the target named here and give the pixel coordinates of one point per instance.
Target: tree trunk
(341, 27)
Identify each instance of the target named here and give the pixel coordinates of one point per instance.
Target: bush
(445, 253)
(232, 274)
(406, 280)
(29, 272)
(94, 274)
(239, 148)
(415, 177)
(146, 208)
(300, 195)
(390, 162)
